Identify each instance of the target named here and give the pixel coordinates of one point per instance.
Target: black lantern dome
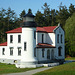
(28, 20)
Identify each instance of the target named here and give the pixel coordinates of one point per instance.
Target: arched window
(57, 38)
(61, 38)
(59, 51)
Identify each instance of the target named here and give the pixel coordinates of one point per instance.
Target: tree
(22, 14)
(39, 18)
(62, 15)
(71, 9)
(8, 21)
(70, 35)
(9, 17)
(46, 15)
(53, 17)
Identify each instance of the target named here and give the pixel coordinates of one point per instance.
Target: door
(52, 54)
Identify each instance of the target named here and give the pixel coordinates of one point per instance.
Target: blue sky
(19, 5)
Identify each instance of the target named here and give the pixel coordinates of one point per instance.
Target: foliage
(70, 35)
(70, 58)
(8, 21)
(62, 15)
(65, 69)
(22, 14)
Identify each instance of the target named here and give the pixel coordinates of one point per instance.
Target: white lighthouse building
(29, 39)
(30, 45)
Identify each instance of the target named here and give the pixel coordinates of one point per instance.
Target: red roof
(40, 29)
(3, 44)
(17, 30)
(48, 29)
(44, 45)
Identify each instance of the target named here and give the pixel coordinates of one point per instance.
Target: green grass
(65, 69)
(70, 58)
(5, 68)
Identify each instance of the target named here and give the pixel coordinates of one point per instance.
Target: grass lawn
(5, 68)
(65, 69)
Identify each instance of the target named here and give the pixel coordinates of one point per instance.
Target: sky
(19, 5)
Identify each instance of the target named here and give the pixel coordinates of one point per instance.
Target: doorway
(52, 54)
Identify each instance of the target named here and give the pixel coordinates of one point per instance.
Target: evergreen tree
(53, 17)
(22, 14)
(39, 18)
(70, 35)
(46, 15)
(62, 15)
(71, 9)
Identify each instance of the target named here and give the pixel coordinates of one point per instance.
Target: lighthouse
(28, 40)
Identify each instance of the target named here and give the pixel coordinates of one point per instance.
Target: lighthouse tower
(28, 41)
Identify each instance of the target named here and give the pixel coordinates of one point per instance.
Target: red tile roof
(48, 29)
(40, 29)
(3, 44)
(17, 30)
(44, 45)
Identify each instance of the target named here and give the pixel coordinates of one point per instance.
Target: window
(61, 38)
(48, 54)
(19, 51)
(43, 52)
(19, 38)
(34, 34)
(59, 51)
(11, 50)
(3, 51)
(42, 38)
(58, 38)
(34, 52)
(25, 46)
(11, 38)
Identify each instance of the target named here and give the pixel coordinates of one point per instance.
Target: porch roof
(44, 45)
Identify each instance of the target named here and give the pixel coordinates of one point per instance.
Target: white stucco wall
(5, 52)
(51, 38)
(15, 46)
(28, 37)
(39, 37)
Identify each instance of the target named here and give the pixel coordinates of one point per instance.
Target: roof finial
(59, 24)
